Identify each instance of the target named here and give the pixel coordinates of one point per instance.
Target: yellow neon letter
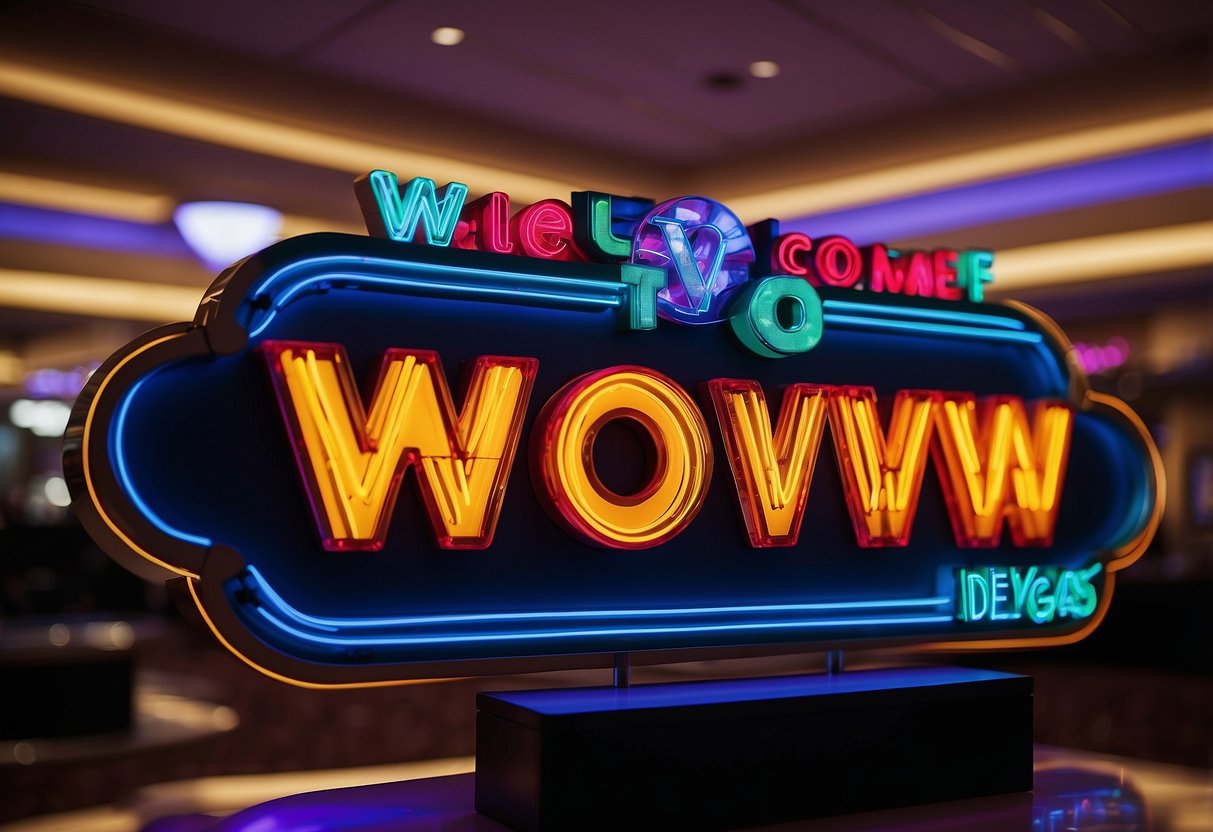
(881, 476)
(352, 461)
(563, 454)
(772, 473)
(994, 464)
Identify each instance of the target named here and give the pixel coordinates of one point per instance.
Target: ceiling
(1010, 124)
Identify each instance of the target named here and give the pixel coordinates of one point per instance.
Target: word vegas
(998, 459)
(600, 227)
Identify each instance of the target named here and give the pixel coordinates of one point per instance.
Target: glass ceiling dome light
(221, 233)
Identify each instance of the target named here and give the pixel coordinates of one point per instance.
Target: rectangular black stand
(731, 753)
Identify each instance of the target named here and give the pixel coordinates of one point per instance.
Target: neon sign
(374, 460)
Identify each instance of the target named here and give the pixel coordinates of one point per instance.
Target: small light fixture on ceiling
(764, 69)
(447, 36)
(221, 233)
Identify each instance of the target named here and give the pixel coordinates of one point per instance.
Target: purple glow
(705, 251)
(1057, 189)
(57, 384)
(1096, 359)
(20, 222)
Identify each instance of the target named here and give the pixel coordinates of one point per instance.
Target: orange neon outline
(86, 464)
(1121, 557)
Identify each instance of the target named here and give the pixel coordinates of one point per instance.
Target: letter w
(882, 474)
(995, 464)
(352, 461)
(394, 214)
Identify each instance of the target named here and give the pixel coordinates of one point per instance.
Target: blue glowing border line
(927, 328)
(520, 284)
(128, 486)
(394, 641)
(955, 316)
(273, 599)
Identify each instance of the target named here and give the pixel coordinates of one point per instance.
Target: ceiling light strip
(98, 297)
(82, 198)
(168, 114)
(1113, 255)
(1130, 176)
(973, 166)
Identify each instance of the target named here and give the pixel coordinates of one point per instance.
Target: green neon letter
(973, 273)
(592, 224)
(973, 584)
(777, 316)
(1041, 603)
(644, 283)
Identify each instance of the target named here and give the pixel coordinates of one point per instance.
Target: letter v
(772, 472)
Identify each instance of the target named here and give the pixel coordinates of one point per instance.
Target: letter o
(777, 316)
(562, 452)
(838, 262)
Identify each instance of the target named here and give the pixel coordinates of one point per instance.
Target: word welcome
(604, 227)
(998, 459)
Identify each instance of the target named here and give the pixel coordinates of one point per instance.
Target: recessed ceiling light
(220, 233)
(447, 36)
(724, 80)
(764, 69)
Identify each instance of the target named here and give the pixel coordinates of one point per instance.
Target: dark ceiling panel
(1166, 20)
(628, 74)
(272, 28)
(1011, 29)
(905, 35)
(46, 142)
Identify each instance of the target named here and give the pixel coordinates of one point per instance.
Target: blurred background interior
(1072, 137)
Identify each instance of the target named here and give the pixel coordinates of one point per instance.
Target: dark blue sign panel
(372, 461)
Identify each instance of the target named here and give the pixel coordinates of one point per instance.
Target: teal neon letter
(396, 215)
(973, 273)
(973, 584)
(644, 282)
(777, 316)
(592, 218)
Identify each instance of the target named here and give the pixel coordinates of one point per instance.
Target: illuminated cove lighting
(97, 297)
(973, 166)
(1058, 189)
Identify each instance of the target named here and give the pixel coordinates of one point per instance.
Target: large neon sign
(676, 448)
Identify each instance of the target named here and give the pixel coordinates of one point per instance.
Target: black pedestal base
(722, 754)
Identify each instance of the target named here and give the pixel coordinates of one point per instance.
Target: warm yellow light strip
(168, 114)
(12, 368)
(1113, 255)
(132, 206)
(961, 168)
(80, 198)
(98, 297)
